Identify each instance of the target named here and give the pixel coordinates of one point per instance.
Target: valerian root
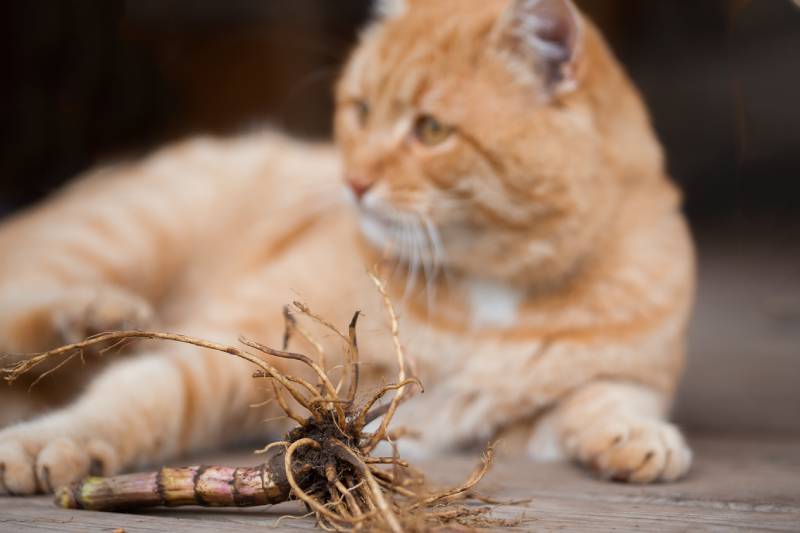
(325, 462)
(212, 486)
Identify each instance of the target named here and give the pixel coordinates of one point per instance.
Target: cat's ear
(390, 8)
(544, 36)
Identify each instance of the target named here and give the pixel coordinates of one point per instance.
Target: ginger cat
(499, 161)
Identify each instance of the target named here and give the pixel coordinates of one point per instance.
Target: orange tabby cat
(500, 159)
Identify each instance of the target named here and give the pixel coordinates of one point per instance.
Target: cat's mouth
(407, 237)
(403, 234)
(381, 230)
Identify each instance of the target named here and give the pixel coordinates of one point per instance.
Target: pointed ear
(544, 36)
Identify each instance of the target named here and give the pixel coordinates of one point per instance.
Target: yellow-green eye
(430, 131)
(362, 111)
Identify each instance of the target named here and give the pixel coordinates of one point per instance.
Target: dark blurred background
(89, 80)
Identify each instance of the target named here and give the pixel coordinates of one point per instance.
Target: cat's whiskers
(423, 250)
(411, 258)
(429, 265)
(395, 250)
(412, 241)
(437, 257)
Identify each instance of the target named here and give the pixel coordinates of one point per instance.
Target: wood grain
(738, 484)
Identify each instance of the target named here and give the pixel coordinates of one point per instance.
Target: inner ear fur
(544, 36)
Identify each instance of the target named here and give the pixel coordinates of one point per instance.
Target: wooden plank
(745, 484)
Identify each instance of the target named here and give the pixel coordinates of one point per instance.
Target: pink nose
(359, 185)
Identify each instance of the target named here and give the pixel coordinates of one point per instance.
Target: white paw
(634, 449)
(33, 461)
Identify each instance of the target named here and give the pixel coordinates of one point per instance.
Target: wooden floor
(738, 483)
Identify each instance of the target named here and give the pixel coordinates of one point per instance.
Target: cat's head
(495, 136)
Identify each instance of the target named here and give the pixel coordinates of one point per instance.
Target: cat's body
(558, 303)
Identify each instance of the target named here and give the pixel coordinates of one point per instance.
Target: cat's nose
(359, 184)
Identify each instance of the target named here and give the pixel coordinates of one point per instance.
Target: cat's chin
(376, 229)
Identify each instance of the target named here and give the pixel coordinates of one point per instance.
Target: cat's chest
(479, 321)
(492, 304)
(440, 352)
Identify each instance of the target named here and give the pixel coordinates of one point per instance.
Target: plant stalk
(206, 486)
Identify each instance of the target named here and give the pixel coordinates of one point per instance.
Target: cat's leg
(38, 317)
(98, 254)
(95, 257)
(92, 258)
(618, 430)
(142, 410)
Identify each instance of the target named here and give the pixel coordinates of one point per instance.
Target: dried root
(324, 462)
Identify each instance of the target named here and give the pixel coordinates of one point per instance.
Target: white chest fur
(492, 304)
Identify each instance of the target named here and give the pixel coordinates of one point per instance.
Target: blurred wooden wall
(92, 79)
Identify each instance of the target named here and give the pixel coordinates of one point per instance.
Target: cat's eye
(362, 111)
(430, 132)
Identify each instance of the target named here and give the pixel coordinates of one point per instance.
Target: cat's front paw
(634, 449)
(33, 461)
(85, 312)
(32, 322)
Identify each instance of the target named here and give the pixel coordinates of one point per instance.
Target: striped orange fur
(529, 234)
